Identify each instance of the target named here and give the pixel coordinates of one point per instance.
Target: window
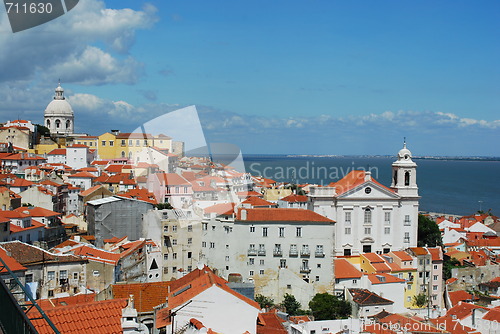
(51, 293)
(204, 226)
(387, 218)
(123, 142)
(165, 228)
(317, 278)
(347, 230)
(190, 228)
(435, 277)
(165, 257)
(261, 272)
(63, 274)
(368, 216)
(282, 263)
(190, 255)
(252, 229)
(190, 241)
(174, 228)
(367, 248)
(190, 268)
(347, 218)
(137, 142)
(298, 231)
(368, 230)
(387, 230)
(75, 275)
(130, 143)
(264, 231)
(203, 244)
(407, 178)
(282, 232)
(103, 143)
(251, 261)
(261, 262)
(347, 252)
(386, 250)
(435, 267)
(251, 273)
(227, 258)
(407, 220)
(407, 237)
(29, 278)
(212, 245)
(111, 143)
(174, 242)
(319, 250)
(174, 256)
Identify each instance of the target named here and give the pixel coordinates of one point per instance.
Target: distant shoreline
(459, 158)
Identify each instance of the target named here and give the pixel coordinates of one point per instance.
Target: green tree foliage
(328, 307)
(448, 264)
(428, 233)
(291, 305)
(42, 130)
(161, 206)
(264, 302)
(420, 300)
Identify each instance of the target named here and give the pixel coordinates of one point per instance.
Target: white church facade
(369, 216)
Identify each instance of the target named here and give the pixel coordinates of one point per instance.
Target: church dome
(59, 106)
(404, 153)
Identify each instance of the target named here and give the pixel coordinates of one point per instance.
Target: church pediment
(370, 190)
(367, 240)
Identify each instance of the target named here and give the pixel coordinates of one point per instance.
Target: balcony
(261, 252)
(305, 253)
(407, 240)
(305, 270)
(319, 254)
(278, 252)
(252, 252)
(293, 253)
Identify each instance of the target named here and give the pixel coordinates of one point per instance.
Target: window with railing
(319, 251)
(277, 250)
(407, 220)
(305, 250)
(293, 250)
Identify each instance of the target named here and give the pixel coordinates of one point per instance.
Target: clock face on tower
(368, 190)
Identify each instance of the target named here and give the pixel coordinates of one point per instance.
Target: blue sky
(304, 77)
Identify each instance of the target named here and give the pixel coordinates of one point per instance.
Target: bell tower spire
(404, 173)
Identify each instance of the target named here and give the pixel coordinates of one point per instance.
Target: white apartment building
(370, 216)
(281, 250)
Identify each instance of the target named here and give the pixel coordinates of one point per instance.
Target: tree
(448, 264)
(161, 206)
(328, 307)
(291, 305)
(264, 302)
(428, 233)
(420, 300)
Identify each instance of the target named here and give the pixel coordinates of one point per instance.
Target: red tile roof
(21, 183)
(344, 269)
(146, 295)
(463, 310)
(270, 323)
(410, 323)
(257, 201)
(402, 255)
(10, 262)
(282, 214)
(295, 198)
(460, 295)
(96, 254)
(221, 208)
(365, 297)
(57, 151)
(453, 325)
(140, 194)
(381, 278)
(172, 179)
(30, 255)
(65, 301)
(351, 181)
(93, 317)
(37, 211)
(34, 225)
(86, 175)
(90, 190)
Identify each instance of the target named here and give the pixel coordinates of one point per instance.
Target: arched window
(123, 154)
(395, 177)
(58, 123)
(48, 123)
(368, 216)
(68, 124)
(407, 178)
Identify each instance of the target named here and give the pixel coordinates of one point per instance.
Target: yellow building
(403, 265)
(106, 148)
(90, 141)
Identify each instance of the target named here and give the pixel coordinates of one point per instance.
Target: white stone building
(370, 216)
(59, 117)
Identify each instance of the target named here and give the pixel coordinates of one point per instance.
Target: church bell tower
(404, 174)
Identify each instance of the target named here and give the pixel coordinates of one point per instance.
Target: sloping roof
(352, 180)
(93, 317)
(34, 225)
(257, 201)
(453, 325)
(463, 310)
(146, 295)
(460, 296)
(65, 301)
(293, 198)
(57, 151)
(365, 297)
(21, 183)
(270, 323)
(381, 278)
(90, 190)
(85, 175)
(96, 254)
(172, 179)
(282, 214)
(221, 208)
(412, 324)
(30, 255)
(191, 285)
(344, 269)
(38, 211)
(402, 255)
(140, 194)
(10, 262)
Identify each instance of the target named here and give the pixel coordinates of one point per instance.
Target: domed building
(59, 116)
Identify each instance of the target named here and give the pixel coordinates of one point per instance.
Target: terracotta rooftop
(65, 301)
(140, 194)
(384, 279)
(282, 214)
(37, 211)
(408, 322)
(270, 323)
(30, 255)
(90, 190)
(463, 310)
(351, 181)
(57, 151)
(295, 198)
(146, 295)
(365, 297)
(402, 255)
(344, 269)
(453, 326)
(221, 208)
(85, 175)
(257, 201)
(93, 317)
(172, 179)
(460, 296)
(10, 262)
